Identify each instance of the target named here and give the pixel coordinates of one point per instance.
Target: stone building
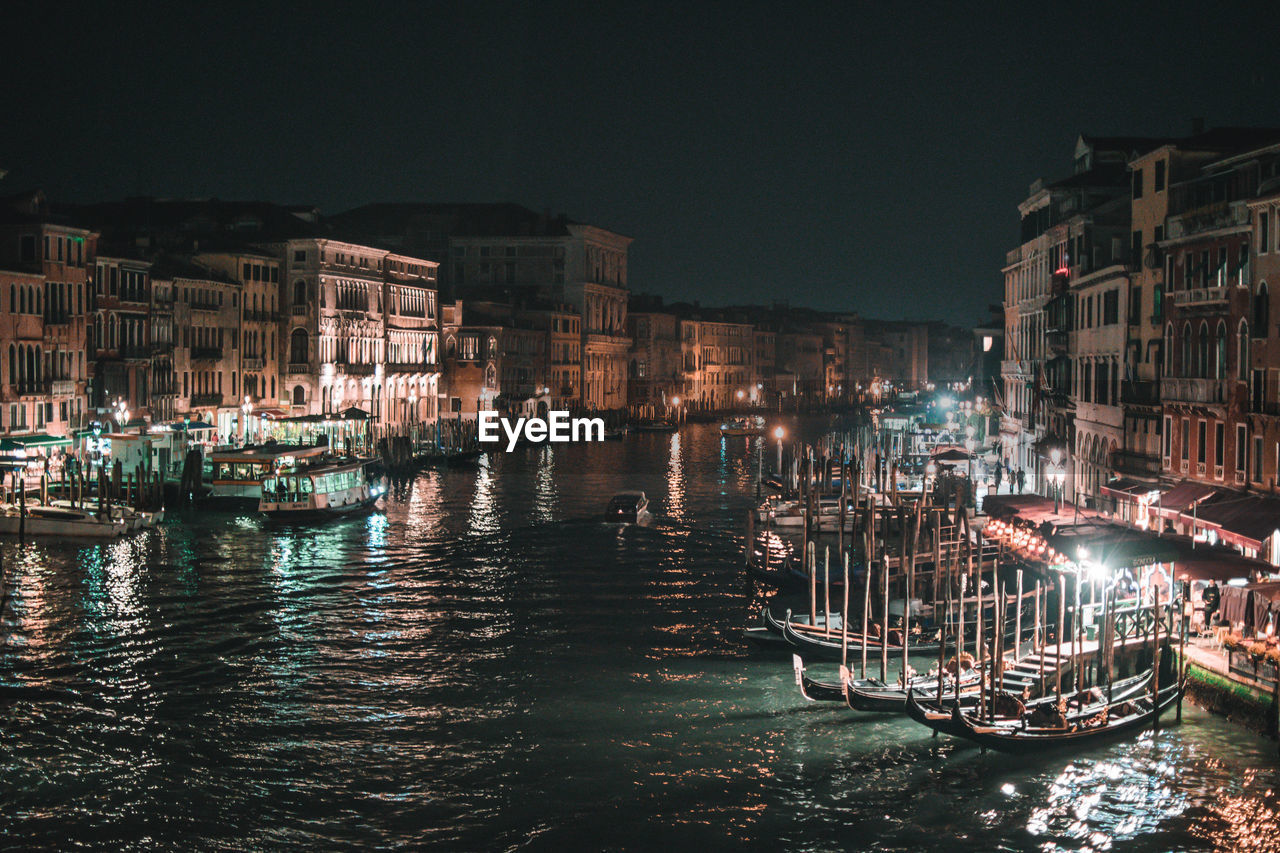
(119, 340)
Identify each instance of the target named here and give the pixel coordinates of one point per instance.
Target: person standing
(1211, 598)
(999, 474)
(1022, 480)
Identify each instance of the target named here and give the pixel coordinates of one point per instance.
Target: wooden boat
(57, 521)
(615, 434)
(317, 491)
(957, 722)
(238, 474)
(818, 642)
(875, 696)
(1120, 716)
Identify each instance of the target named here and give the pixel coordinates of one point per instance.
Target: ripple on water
(487, 664)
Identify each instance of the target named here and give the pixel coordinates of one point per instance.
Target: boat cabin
(238, 474)
(331, 488)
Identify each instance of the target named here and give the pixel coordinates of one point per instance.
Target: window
(1242, 356)
(1186, 439)
(1264, 232)
(1168, 438)
(1202, 438)
(1240, 448)
(1135, 249)
(1137, 183)
(1261, 310)
(299, 256)
(1257, 459)
(1159, 176)
(1219, 440)
(1111, 308)
(298, 350)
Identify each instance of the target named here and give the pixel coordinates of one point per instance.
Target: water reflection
(484, 664)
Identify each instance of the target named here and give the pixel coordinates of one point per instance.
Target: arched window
(490, 377)
(299, 395)
(299, 292)
(1242, 354)
(1168, 349)
(298, 349)
(493, 347)
(1220, 352)
(13, 365)
(1202, 351)
(1261, 310)
(1187, 368)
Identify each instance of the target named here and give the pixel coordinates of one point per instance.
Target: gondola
(1122, 716)
(817, 642)
(871, 695)
(957, 722)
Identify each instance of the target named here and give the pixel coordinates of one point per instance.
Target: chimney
(1197, 126)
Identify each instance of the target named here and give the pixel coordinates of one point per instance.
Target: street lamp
(779, 433)
(930, 472)
(1056, 472)
(413, 406)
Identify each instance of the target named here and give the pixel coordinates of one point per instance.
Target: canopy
(354, 413)
(40, 439)
(1244, 520)
(952, 456)
(1182, 497)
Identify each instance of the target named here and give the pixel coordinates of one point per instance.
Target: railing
(1132, 462)
(410, 367)
(262, 316)
(1011, 367)
(206, 353)
(298, 310)
(206, 399)
(1221, 214)
(1199, 296)
(135, 352)
(161, 347)
(62, 387)
(1183, 390)
(252, 363)
(355, 369)
(204, 305)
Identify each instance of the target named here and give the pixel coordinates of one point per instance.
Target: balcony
(205, 305)
(1015, 367)
(1133, 464)
(62, 387)
(298, 311)
(252, 363)
(161, 347)
(206, 399)
(262, 316)
(1223, 214)
(302, 367)
(206, 353)
(411, 367)
(1181, 390)
(355, 369)
(1200, 296)
(1140, 393)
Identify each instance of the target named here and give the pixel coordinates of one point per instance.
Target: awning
(1182, 497)
(952, 456)
(268, 413)
(1244, 520)
(1114, 546)
(1129, 490)
(33, 441)
(354, 413)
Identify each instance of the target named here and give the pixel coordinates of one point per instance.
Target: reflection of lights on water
(483, 516)
(377, 527)
(675, 481)
(1102, 802)
(544, 489)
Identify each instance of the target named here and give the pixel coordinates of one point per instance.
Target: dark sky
(864, 157)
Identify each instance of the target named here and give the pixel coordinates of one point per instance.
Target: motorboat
(329, 488)
(653, 425)
(627, 508)
(741, 426)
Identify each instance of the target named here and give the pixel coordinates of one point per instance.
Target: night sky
(866, 158)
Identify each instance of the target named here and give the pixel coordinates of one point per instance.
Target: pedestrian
(1211, 597)
(999, 473)
(1022, 480)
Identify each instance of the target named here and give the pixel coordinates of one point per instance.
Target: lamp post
(1056, 472)
(969, 445)
(779, 433)
(246, 408)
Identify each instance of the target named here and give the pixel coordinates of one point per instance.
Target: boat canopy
(35, 440)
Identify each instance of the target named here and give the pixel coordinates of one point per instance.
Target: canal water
(486, 665)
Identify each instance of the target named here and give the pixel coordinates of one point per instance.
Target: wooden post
(866, 610)
(1017, 622)
(811, 563)
(844, 623)
(980, 624)
(826, 588)
(1057, 658)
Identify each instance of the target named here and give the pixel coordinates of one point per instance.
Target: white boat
(59, 521)
(324, 489)
(238, 474)
(742, 426)
(789, 513)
